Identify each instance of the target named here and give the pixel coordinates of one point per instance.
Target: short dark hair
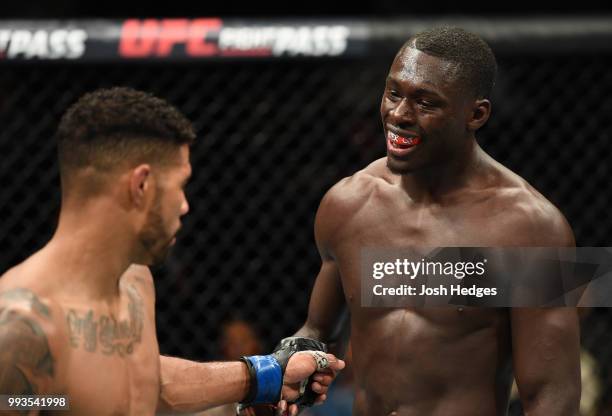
(474, 58)
(108, 127)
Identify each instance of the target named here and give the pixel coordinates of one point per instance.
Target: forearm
(546, 356)
(188, 386)
(327, 311)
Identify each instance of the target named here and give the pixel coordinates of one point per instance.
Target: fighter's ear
(140, 184)
(479, 114)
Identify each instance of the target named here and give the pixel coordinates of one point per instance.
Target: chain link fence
(273, 137)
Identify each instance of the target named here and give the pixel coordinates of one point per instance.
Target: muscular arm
(188, 386)
(546, 341)
(546, 349)
(327, 303)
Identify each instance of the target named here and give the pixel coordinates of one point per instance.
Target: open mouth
(401, 145)
(402, 142)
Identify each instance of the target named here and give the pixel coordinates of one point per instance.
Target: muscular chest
(396, 223)
(391, 223)
(113, 367)
(113, 385)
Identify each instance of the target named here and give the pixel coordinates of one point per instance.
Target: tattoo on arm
(24, 295)
(25, 357)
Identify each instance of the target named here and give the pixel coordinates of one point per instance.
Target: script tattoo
(106, 332)
(25, 357)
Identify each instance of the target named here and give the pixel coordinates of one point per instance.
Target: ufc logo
(152, 37)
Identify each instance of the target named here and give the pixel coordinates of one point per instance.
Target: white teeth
(392, 136)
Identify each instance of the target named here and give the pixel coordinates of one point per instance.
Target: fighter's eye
(425, 103)
(393, 94)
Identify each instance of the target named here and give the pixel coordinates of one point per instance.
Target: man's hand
(300, 367)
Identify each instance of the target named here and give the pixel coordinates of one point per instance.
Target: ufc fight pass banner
(486, 276)
(216, 38)
(179, 39)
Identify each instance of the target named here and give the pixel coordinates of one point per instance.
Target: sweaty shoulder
(347, 197)
(350, 193)
(529, 219)
(18, 290)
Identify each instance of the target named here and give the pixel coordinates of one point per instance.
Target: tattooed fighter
(77, 318)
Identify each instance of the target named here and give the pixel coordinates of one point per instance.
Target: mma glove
(267, 371)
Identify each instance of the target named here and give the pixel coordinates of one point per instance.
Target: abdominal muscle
(431, 362)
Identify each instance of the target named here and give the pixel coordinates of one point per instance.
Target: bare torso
(104, 357)
(435, 361)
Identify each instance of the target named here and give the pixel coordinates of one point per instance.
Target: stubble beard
(154, 239)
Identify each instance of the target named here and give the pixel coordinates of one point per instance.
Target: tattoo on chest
(104, 332)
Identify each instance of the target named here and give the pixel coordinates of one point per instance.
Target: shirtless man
(77, 318)
(437, 187)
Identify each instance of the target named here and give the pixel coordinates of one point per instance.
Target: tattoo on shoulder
(25, 295)
(26, 363)
(106, 333)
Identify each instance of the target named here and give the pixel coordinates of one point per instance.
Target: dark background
(274, 136)
(177, 8)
